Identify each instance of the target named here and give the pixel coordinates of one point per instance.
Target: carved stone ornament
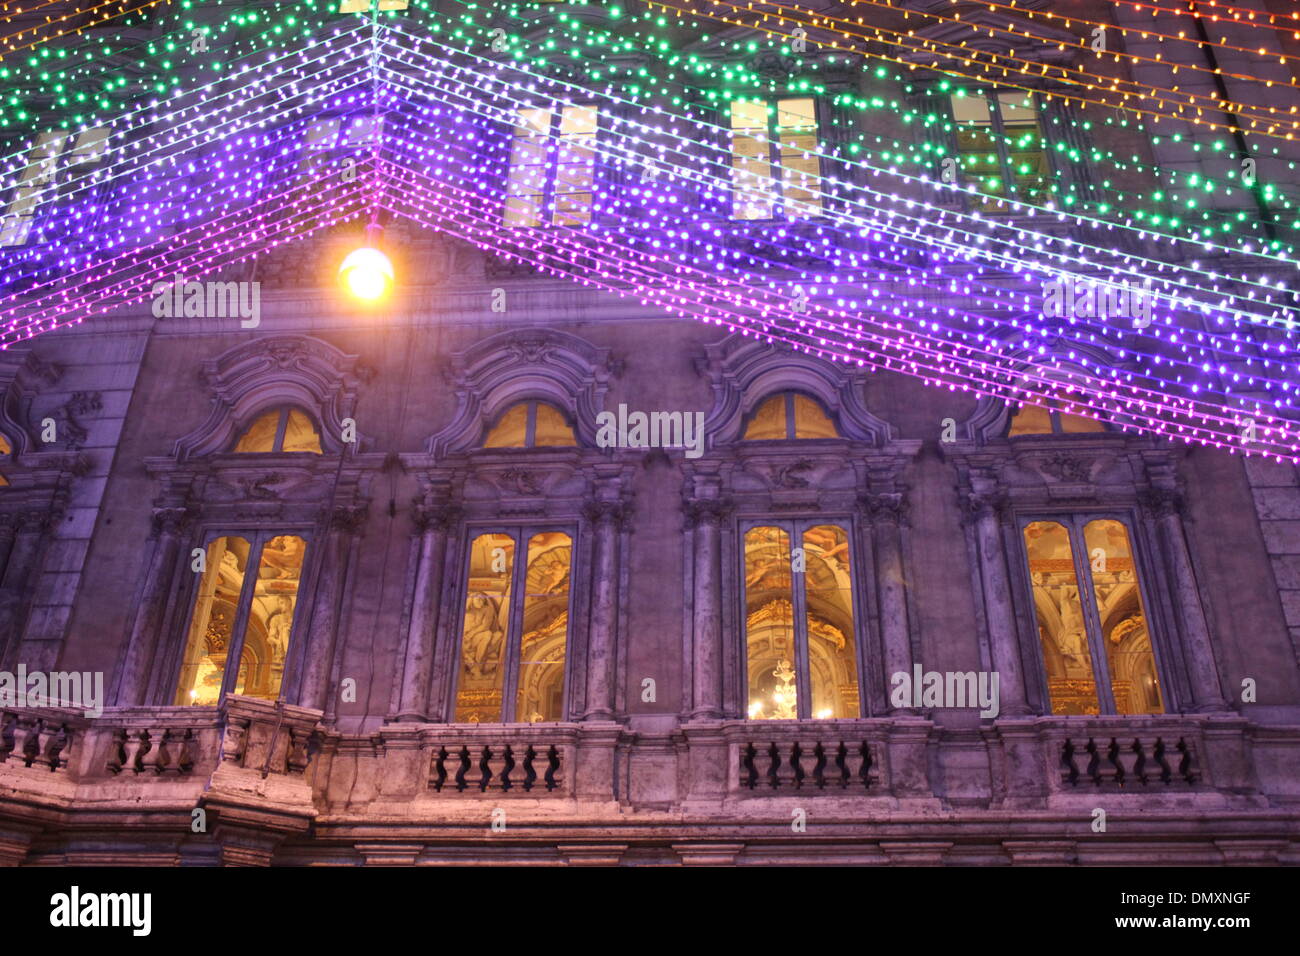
(707, 511)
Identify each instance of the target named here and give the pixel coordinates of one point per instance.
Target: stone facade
(357, 759)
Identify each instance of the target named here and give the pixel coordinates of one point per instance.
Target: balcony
(256, 780)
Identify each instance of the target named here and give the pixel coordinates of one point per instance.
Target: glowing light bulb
(367, 274)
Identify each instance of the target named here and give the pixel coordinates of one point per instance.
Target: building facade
(514, 568)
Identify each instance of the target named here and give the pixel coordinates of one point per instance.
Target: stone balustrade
(40, 737)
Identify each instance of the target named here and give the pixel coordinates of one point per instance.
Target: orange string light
(970, 59)
(36, 30)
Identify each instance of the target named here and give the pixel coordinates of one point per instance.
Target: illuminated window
(358, 6)
(1052, 420)
(1092, 627)
(54, 156)
(281, 429)
(774, 165)
(1000, 147)
(240, 616)
(800, 650)
(531, 425)
(789, 415)
(552, 166)
(515, 630)
(5, 451)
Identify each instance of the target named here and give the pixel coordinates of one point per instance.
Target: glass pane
(483, 638)
(551, 428)
(800, 167)
(545, 629)
(512, 429)
(769, 625)
(260, 436)
(1031, 420)
(768, 423)
(212, 622)
(832, 656)
(5, 447)
(810, 421)
(1130, 660)
(751, 167)
(300, 434)
(526, 181)
(970, 109)
(270, 618)
(1062, 631)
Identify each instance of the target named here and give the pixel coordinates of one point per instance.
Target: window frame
(795, 527)
(281, 429)
(790, 424)
(776, 170)
(546, 214)
(1054, 416)
(522, 533)
(46, 184)
(530, 427)
(257, 539)
(978, 200)
(1074, 523)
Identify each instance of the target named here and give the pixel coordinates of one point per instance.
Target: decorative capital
(890, 507)
(1162, 502)
(707, 511)
(612, 512)
(433, 517)
(984, 504)
(347, 518)
(173, 522)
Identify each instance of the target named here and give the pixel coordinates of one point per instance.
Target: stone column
(706, 516)
(1165, 505)
(8, 527)
(886, 512)
(322, 638)
(984, 505)
(602, 652)
(170, 527)
(417, 659)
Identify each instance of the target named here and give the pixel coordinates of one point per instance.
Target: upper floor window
(1052, 420)
(531, 425)
(775, 170)
(789, 415)
(281, 429)
(516, 628)
(800, 644)
(1000, 146)
(5, 451)
(326, 138)
(552, 173)
(54, 155)
(242, 617)
(1092, 628)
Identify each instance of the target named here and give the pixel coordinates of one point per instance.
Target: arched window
(241, 616)
(1052, 419)
(1092, 627)
(531, 425)
(800, 649)
(515, 630)
(279, 430)
(789, 415)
